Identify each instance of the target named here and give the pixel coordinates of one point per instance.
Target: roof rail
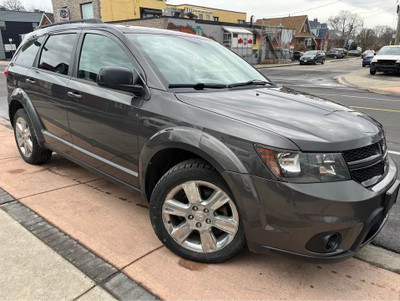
(91, 21)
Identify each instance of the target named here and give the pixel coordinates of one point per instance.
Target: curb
(108, 277)
(380, 257)
(342, 80)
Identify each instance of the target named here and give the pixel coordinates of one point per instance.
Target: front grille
(367, 164)
(361, 153)
(365, 174)
(387, 62)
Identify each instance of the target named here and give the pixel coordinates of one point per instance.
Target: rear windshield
(389, 51)
(187, 60)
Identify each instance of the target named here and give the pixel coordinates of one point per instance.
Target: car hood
(312, 123)
(387, 57)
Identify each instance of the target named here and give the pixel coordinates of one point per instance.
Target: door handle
(74, 95)
(30, 81)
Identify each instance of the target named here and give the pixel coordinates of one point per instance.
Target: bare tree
(367, 38)
(346, 23)
(384, 36)
(13, 5)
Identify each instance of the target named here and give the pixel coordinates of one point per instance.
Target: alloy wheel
(24, 138)
(200, 216)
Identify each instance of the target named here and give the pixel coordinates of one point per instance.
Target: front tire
(372, 71)
(194, 213)
(27, 144)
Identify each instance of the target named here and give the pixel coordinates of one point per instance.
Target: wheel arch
(18, 100)
(179, 144)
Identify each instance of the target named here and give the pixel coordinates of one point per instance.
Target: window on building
(235, 35)
(241, 21)
(254, 39)
(227, 39)
(28, 51)
(56, 53)
(216, 19)
(87, 10)
(98, 51)
(201, 16)
(207, 17)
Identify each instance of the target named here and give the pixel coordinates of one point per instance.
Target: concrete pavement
(33, 271)
(386, 84)
(113, 223)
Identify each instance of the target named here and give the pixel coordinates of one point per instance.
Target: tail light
(6, 72)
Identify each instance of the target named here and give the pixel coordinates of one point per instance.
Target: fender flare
(190, 139)
(18, 95)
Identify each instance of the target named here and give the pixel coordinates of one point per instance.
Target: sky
(373, 12)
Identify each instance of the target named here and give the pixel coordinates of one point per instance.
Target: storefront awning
(237, 30)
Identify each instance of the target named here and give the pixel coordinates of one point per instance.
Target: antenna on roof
(90, 21)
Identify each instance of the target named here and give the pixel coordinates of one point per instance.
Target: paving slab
(101, 215)
(96, 294)
(8, 147)
(259, 277)
(21, 179)
(32, 271)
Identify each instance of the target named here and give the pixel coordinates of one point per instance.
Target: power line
(301, 11)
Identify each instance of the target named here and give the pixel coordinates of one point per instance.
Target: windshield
(311, 53)
(191, 61)
(389, 51)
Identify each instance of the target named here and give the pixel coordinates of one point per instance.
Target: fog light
(326, 242)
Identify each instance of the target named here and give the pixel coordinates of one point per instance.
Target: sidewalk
(386, 84)
(30, 270)
(113, 223)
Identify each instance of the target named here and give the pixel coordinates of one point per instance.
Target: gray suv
(224, 157)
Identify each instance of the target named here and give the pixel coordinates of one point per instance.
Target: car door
(46, 87)
(103, 121)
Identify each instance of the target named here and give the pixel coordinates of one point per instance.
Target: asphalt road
(319, 80)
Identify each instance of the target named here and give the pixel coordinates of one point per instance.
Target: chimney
(315, 19)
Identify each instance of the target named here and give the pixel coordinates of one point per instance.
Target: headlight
(300, 167)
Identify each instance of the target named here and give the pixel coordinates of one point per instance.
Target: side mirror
(119, 78)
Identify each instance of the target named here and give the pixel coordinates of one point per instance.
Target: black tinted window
(28, 51)
(98, 51)
(56, 53)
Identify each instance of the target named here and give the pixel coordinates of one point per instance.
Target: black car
(313, 57)
(297, 55)
(354, 53)
(224, 157)
(336, 54)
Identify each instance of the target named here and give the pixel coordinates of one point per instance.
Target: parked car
(224, 157)
(313, 57)
(387, 60)
(368, 52)
(367, 60)
(354, 53)
(336, 54)
(297, 55)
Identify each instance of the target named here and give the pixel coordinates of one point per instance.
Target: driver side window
(99, 51)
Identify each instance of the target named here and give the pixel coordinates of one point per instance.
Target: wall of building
(74, 7)
(222, 15)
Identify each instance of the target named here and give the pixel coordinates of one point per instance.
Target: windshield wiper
(199, 86)
(250, 83)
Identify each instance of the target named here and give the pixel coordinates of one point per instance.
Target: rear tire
(27, 143)
(194, 214)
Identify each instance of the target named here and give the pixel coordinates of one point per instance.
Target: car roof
(97, 24)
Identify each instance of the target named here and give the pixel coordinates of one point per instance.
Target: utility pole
(397, 40)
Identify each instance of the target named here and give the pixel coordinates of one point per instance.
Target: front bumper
(382, 67)
(286, 217)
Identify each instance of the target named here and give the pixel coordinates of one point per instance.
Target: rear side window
(56, 53)
(28, 51)
(98, 51)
